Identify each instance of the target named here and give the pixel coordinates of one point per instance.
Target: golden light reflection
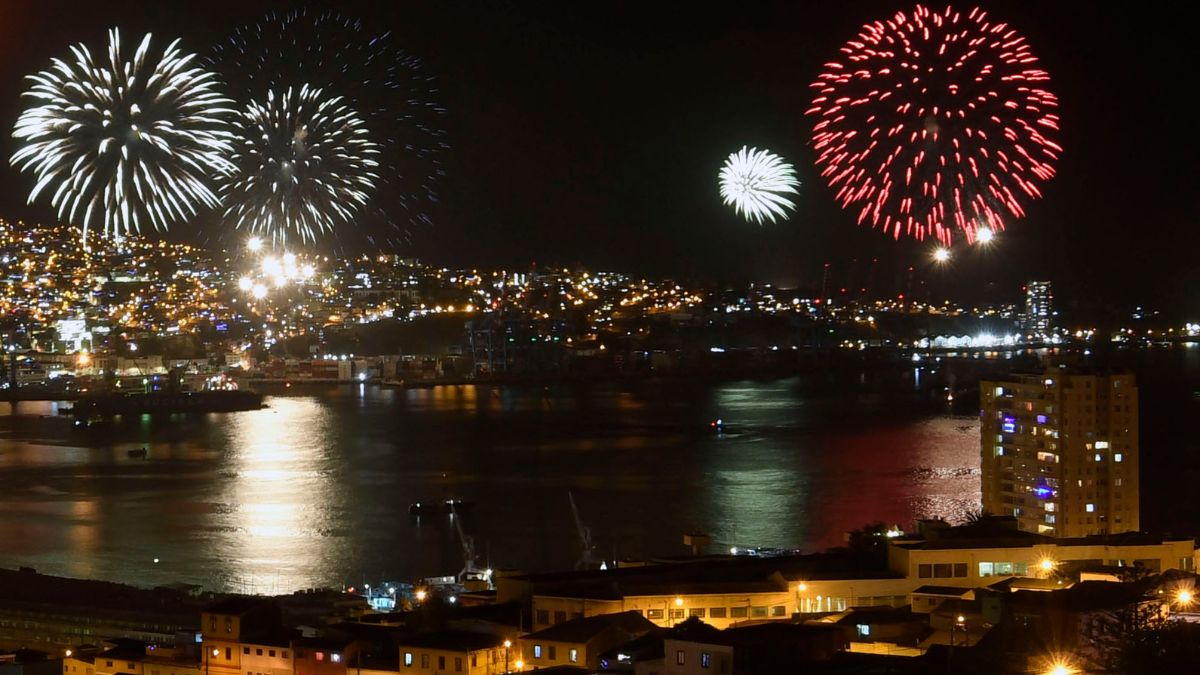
(277, 496)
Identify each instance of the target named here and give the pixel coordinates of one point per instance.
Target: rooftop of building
(26, 588)
(451, 640)
(238, 605)
(1082, 597)
(584, 629)
(1001, 532)
(710, 575)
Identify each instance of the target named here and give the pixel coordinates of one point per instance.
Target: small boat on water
(442, 507)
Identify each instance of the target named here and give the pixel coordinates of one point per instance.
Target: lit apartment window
(537, 651)
(864, 630)
(1090, 508)
(1101, 445)
(1118, 457)
(654, 614)
(705, 660)
(573, 655)
(408, 659)
(336, 658)
(679, 660)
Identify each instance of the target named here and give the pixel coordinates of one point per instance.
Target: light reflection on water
(314, 490)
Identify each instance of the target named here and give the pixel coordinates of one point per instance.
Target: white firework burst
(304, 164)
(757, 182)
(124, 144)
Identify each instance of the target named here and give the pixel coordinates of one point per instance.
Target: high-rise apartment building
(1039, 310)
(1060, 451)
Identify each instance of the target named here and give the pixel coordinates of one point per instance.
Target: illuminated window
(1101, 445)
(999, 451)
(864, 630)
(1041, 419)
(573, 655)
(1118, 457)
(408, 659)
(1090, 508)
(1051, 506)
(679, 659)
(1099, 457)
(705, 660)
(537, 651)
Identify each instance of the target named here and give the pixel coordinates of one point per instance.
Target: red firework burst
(935, 122)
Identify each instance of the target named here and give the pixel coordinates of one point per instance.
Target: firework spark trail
(935, 122)
(756, 183)
(124, 143)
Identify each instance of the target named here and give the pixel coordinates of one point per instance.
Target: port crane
(470, 571)
(585, 561)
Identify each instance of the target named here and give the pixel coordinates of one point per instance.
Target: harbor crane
(585, 562)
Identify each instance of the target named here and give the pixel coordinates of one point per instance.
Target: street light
(507, 646)
(1184, 597)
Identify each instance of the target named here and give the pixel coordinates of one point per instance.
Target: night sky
(591, 133)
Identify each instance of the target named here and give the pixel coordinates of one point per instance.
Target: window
(1099, 457)
(1090, 508)
(654, 614)
(458, 664)
(553, 653)
(408, 660)
(424, 660)
(573, 655)
(679, 660)
(758, 611)
(543, 616)
(1118, 457)
(474, 660)
(108, 663)
(537, 651)
(925, 571)
(943, 570)
(441, 663)
(716, 612)
(696, 611)
(1117, 482)
(864, 630)
(738, 612)
(228, 625)
(320, 656)
(228, 653)
(779, 610)
(336, 658)
(560, 616)
(676, 613)
(705, 660)
(258, 652)
(283, 654)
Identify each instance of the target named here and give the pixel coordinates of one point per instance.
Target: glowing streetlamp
(421, 596)
(1184, 597)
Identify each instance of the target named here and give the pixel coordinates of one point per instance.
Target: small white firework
(757, 182)
(124, 144)
(304, 165)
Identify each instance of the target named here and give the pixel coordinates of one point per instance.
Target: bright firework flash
(305, 165)
(124, 144)
(757, 182)
(393, 99)
(935, 122)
